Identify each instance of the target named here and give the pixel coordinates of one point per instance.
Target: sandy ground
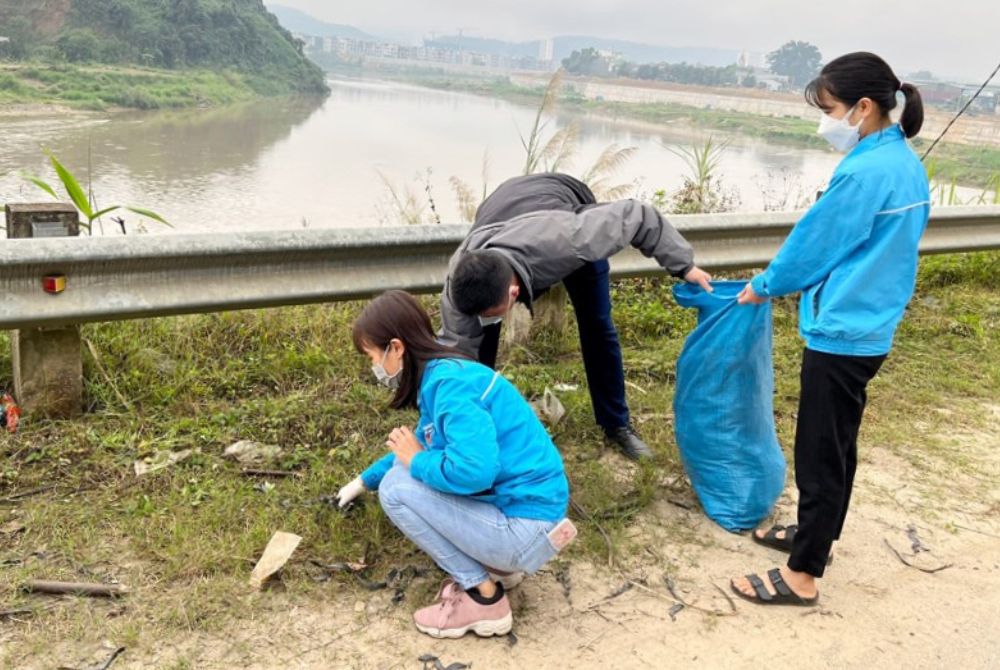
(875, 611)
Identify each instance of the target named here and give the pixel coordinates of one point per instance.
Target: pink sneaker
(456, 613)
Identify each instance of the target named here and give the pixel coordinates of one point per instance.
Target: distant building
(751, 60)
(951, 96)
(350, 49)
(754, 65)
(546, 50)
(770, 81)
(939, 93)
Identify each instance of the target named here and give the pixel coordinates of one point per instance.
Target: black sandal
(783, 596)
(772, 541)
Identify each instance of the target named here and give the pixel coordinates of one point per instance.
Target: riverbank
(967, 164)
(27, 87)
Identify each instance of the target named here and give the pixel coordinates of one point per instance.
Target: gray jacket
(545, 247)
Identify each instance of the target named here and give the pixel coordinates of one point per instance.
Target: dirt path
(875, 610)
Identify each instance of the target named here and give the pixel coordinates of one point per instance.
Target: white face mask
(839, 132)
(383, 377)
(485, 321)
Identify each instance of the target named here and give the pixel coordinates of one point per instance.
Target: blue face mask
(383, 377)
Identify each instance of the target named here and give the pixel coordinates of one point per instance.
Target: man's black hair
(480, 281)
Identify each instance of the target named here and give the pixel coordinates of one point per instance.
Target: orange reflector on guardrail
(54, 283)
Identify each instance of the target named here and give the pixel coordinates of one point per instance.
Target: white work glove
(348, 493)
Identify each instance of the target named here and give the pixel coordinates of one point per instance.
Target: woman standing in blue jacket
(854, 258)
(479, 486)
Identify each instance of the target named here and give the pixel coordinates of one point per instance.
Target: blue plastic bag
(723, 407)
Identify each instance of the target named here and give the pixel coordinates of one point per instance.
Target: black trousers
(831, 405)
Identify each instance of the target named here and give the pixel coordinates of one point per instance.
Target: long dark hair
(864, 75)
(398, 315)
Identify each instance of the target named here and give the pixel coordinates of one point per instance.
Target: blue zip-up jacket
(481, 439)
(854, 253)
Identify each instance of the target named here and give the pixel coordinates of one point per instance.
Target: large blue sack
(723, 407)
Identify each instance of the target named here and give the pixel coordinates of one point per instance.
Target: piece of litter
(247, 452)
(675, 610)
(627, 586)
(915, 544)
(10, 413)
(159, 461)
(549, 408)
(431, 661)
(340, 567)
(275, 555)
(105, 664)
(565, 388)
(512, 639)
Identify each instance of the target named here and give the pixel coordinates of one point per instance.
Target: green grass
(975, 166)
(185, 538)
(103, 87)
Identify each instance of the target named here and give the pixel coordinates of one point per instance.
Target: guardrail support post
(550, 315)
(48, 367)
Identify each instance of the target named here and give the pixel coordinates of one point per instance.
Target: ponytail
(913, 110)
(864, 75)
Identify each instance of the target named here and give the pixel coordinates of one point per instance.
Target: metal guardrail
(114, 278)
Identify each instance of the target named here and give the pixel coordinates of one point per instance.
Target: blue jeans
(462, 534)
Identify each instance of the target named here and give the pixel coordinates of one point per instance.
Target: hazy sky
(958, 37)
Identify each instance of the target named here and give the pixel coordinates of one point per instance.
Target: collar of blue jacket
(893, 133)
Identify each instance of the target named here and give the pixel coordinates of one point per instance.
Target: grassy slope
(185, 538)
(99, 87)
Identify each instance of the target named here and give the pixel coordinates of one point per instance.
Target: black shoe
(626, 439)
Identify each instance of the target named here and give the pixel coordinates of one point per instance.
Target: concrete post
(550, 315)
(48, 366)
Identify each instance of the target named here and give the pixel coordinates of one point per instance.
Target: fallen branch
(624, 588)
(253, 472)
(10, 562)
(6, 614)
(636, 387)
(111, 659)
(729, 598)
(974, 530)
(673, 592)
(588, 643)
(27, 494)
(578, 508)
(929, 571)
(75, 588)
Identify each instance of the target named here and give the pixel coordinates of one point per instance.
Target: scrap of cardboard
(275, 555)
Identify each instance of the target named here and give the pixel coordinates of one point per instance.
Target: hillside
(299, 22)
(238, 35)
